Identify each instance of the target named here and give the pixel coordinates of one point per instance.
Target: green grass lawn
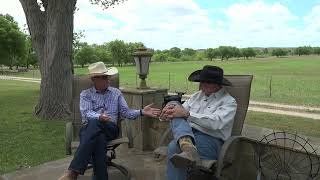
(305, 126)
(295, 80)
(25, 140)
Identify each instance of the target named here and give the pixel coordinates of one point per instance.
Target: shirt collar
(218, 94)
(99, 92)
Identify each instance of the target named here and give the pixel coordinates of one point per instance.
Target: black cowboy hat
(210, 74)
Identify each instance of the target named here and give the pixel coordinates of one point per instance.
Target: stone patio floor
(142, 165)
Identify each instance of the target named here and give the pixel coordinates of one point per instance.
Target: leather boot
(189, 155)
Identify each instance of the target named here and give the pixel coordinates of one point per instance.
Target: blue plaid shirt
(112, 102)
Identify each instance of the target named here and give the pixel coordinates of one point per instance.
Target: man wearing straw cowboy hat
(100, 106)
(201, 124)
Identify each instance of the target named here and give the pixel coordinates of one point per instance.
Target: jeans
(94, 137)
(208, 147)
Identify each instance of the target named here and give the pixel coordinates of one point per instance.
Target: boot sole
(181, 162)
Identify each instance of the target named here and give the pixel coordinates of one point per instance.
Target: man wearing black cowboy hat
(201, 124)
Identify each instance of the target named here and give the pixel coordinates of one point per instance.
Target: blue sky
(162, 24)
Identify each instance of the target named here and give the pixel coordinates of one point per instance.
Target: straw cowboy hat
(99, 69)
(211, 74)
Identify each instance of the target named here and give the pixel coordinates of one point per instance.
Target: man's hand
(150, 111)
(105, 117)
(172, 111)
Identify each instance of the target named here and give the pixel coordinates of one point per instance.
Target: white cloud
(14, 8)
(261, 24)
(313, 20)
(165, 23)
(157, 23)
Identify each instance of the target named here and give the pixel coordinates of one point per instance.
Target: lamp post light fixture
(142, 59)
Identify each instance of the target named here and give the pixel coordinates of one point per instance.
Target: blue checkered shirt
(112, 102)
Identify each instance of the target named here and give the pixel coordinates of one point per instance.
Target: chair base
(125, 171)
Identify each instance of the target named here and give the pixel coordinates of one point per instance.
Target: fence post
(270, 86)
(169, 81)
(186, 84)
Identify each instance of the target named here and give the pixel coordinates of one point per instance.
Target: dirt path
(275, 108)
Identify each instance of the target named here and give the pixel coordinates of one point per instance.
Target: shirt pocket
(210, 109)
(96, 106)
(195, 108)
(113, 110)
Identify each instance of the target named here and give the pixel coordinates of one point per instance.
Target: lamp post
(142, 59)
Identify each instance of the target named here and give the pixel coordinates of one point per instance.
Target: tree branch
(36, 20)
(45, 4)
(107, 3)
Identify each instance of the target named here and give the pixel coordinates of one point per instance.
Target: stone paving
(142, 164)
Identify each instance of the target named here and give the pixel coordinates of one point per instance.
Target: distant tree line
(226, 52)
(114, 52)
(15, 46)
(16, 50)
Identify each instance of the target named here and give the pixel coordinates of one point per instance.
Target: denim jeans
(208, 147)
(94, 137)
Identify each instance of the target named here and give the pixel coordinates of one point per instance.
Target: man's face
(209, 88)
(101, 83)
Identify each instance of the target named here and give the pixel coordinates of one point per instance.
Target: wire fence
(284, 88)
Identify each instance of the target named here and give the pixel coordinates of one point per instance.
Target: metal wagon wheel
(286, 156)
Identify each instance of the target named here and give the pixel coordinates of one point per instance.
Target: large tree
(50, 24)
(211, 53)
(175, 52)
(118, 51)
(225, 52)
(279, 52)
(132, 47)
(85, 56)
(12, 42)
(248, 52)
(189, 52)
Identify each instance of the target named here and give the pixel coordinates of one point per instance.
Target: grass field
(25, 140)
(305, 126)
(295, 80)
(28, 141)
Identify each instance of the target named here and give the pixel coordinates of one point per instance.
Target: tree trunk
(51, 32)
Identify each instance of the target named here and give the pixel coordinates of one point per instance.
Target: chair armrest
(69, 133)
(223, 152)
(117, 142)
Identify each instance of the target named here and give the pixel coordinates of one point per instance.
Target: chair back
(80, 83)
(240, 90)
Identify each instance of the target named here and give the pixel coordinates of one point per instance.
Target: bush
(172, 59)
(187, 58)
